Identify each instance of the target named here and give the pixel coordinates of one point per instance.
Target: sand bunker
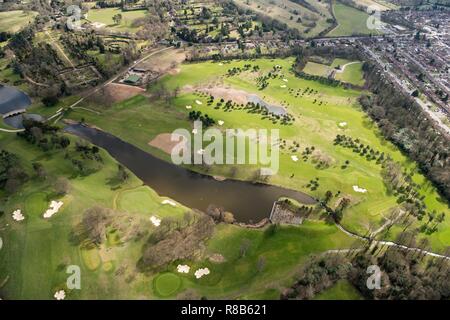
(201, 272)
(342, 124)
(155, 220)
(294, 158)
(188, 107)
(283, 86)
(18, 216)
(1, 243)
(98, 25)
(170, 202)
(198, 102)
(285, 80)
(53, 209)
(164, 142)
(183, 268)
(238, 96)
(358, 189)
(60, 295)
(220, 122)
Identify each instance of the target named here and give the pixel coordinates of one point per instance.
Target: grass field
(350, 71)
(105, 16)
(13, 21)
(342, 290)
(350, 21)
(138, 121)
(312, 21)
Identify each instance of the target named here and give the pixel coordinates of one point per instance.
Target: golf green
(166, 284)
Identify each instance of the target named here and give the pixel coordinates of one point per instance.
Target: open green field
(350, 21)
(105, 17)
(350, 71)
(13, 21)
(309, 20)
(342, 290)
(317, 115)
(351, 74)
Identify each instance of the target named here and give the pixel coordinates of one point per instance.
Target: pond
(17, 121)
(248, 202)
(12, 99)
(277, 110)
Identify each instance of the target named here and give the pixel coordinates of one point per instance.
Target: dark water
(247, 201)
(17, 121)
(270, 107)
(12, 99)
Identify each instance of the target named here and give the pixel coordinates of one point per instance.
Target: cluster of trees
(37, 61)
(86, 159)
(404, 123)
(43, 135)
(398, 181)
(175, 240)
(363, 150)
(405, 275)
(205, 119)
(12, 175)
(219, 214)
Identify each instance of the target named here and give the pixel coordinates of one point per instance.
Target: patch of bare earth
(238, 96)
(164, 62)
(163, 141)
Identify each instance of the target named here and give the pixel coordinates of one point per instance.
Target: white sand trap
(188, 107)
(98, 25)
(1, 243)
(221, 64)
(342, 124)
(18, 216)
(168, 201)
(53, 209)
(194, 131)
(358, 189)
(60, 295)
(294, 158)
(285, 80)
(220, 122)
(198, 102)
(283, 86)
(155, 220)
(183, 268)
(201, 272)
(201, 151)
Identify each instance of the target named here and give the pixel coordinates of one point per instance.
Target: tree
(117, 18)
(245, 245)
(61, 186)
(260, 265)
(122, 174)
(40, 171)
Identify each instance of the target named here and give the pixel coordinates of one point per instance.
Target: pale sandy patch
(163, 141)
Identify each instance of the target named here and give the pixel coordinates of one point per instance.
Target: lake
(249, 202)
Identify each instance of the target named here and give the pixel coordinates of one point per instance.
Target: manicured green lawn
(14, 21)
(352, 74)
(167, 284)
(350, 21)
(342, 290)
(281, 253)
(139, 120)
